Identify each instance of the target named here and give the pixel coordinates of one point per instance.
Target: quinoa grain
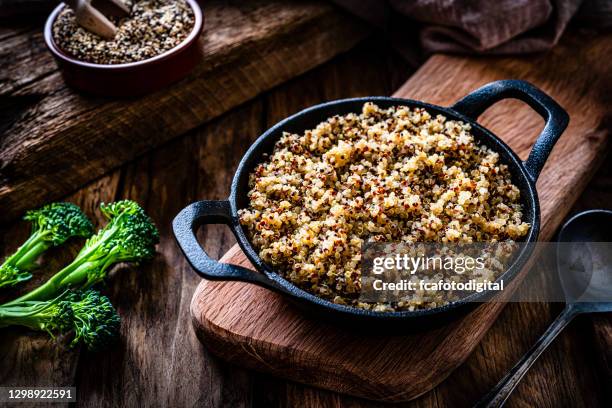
(385, 175)
(153, 27)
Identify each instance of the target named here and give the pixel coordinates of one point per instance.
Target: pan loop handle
(474, 104)
(185, 225)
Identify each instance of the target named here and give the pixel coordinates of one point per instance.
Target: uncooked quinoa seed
(153, 27)
(385, 175)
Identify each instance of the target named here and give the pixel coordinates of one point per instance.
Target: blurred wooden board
(54, 140)
(256, 328)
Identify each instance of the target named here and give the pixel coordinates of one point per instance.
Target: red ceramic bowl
(133, 78)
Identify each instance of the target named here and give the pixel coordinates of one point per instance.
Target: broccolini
(88, 314)
(129, 236)
(52, 225)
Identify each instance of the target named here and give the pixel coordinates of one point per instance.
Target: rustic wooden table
(159, 362)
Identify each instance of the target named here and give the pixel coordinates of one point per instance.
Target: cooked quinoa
(153, 27)
(384, 175)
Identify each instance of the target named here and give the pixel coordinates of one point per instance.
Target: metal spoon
(91, 14)
(584, 293)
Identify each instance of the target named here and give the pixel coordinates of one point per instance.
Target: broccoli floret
(11, 276)
(129, 236)
(59, 221)
(89, 315)
(52, 225)
(96, 323)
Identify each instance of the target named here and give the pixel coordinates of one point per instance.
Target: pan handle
(474, 104)
(185, 225)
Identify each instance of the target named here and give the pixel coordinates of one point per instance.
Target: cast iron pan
(524, 176)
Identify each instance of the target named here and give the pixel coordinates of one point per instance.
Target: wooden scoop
(91, 15)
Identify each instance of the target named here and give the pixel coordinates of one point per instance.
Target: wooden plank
(159, 358)
(185, 373)
(153, 300)
(574, 370)
(257, 330)
(56, 137)
(34, 359)
(598, 328)
(214, 383)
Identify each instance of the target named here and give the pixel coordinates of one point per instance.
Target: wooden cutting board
(256, 328)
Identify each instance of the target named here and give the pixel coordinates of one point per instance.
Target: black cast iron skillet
(524, 176)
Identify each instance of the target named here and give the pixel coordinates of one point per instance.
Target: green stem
(21, 317)
(28, 260)
(73, 274)
(24, 259)
(80, 265)
(46, 291)
(12, 280)
(79, 276)
(34, 315)
(32, 240)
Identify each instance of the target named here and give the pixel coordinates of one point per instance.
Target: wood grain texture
(178, 374)
(34, 358)
(569, 374)
(53, 136)
(258, 330)
(159, 361)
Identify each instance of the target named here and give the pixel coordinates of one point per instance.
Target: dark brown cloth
(480, 26)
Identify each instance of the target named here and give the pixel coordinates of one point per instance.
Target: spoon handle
(498, 395)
